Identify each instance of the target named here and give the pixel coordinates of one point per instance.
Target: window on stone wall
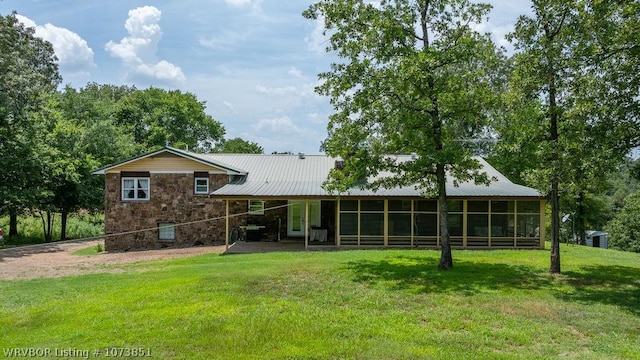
(201, 185)
(166, 232)
(135, 188)
(256, 207)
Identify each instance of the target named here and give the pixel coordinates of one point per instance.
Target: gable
(165, 162)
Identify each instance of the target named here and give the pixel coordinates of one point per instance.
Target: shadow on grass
(611, 285)
(605, 284)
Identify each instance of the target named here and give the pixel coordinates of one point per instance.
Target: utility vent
(339, 164)
(300, 155)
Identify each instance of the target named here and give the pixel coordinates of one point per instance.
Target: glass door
(295, 216)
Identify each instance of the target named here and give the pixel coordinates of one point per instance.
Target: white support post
(306, 225)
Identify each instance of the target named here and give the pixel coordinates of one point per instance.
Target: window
(135, 188)
(166, 232)
(201, 185)
(256, 207)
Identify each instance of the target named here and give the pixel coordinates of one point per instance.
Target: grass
(340, 305)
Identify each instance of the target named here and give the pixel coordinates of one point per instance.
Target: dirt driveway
(57, 259)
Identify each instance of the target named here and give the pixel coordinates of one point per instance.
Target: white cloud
(281, 125)
(227, 40)
(229, 106)
(138, 50)
(276, 90)
(255, 4)
(317, 40)
(238, 2)
(295, 73)
(73, 52)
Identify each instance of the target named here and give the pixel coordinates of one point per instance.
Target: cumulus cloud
(138, 50)
(73, 52)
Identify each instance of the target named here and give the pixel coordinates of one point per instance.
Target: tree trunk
(13, 223)
(47, 226)
(555, 229)
(446, 259)
(582, 236)
(63, 225)
(554, 267)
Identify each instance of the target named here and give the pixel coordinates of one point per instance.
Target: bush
(624, 229)
(79, 226)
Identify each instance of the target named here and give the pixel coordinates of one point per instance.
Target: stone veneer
(172, 200)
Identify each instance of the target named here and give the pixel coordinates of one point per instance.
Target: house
(597, 239)
(171, 198)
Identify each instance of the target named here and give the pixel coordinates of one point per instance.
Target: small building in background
(597, 239)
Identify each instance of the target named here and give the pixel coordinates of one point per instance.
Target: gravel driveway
(57, 259)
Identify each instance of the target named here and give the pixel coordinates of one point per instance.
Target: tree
(157, 117)
(81, 136)
(238, 146)
(415, 78)
(570, 97)
(28, 76)
(624, 229)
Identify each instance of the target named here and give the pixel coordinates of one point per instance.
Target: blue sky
(254, 62)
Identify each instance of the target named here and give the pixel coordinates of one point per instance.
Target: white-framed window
(166, 232)
(135, 188)
(201, 185)
(256, 207)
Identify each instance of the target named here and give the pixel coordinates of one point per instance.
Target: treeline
(52, 140)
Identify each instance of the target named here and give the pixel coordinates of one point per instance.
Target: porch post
(306, 225)
(542, 230)
(337, 229)
(226, 225)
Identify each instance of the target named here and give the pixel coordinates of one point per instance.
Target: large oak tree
(412, 77)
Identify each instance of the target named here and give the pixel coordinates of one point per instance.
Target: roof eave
(229, 170)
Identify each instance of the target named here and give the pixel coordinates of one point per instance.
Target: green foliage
(414, 77)
(79, 226)
(156, 118)
(339, 305)
(238, 146)
(28, 76)
(570, 116)
(624, 229)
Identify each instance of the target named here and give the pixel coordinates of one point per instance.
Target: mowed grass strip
(371, 304)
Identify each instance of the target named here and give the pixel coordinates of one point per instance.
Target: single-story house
(172, 197)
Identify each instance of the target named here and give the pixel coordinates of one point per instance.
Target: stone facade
(198, 219)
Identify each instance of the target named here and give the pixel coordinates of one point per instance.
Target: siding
(165, 163)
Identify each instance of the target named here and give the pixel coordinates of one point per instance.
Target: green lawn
(339, 305)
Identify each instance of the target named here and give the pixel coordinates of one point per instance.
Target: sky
(255, 63)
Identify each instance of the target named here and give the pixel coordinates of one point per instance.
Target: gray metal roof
(292, 176)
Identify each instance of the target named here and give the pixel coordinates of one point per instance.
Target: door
(295, 216)
(596, 241)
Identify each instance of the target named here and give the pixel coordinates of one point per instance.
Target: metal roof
(284, 175)
(295, 176)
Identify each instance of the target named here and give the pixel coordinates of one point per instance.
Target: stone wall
(172, 200)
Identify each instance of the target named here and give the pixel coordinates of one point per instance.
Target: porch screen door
(295, 216)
